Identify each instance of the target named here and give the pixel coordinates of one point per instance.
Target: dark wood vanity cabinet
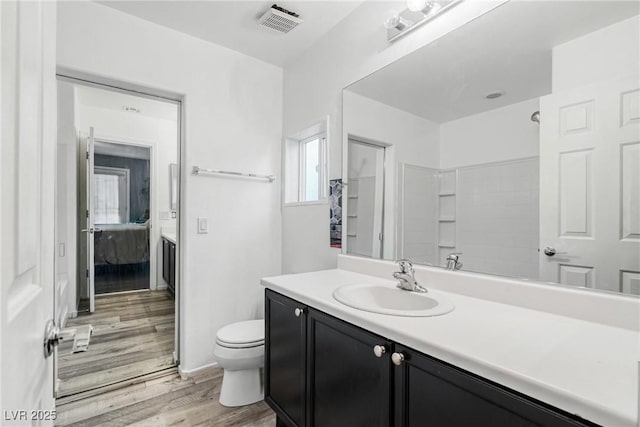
(324, 372)
(169, 264)
(348, 384)
(285, 358)
(321, 371)
(429, 392)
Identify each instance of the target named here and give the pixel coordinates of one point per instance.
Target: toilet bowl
(239, 350)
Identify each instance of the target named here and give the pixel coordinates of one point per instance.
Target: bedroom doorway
(117, 210)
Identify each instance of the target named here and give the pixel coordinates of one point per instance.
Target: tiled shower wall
(497, 220)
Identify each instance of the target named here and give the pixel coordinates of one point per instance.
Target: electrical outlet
(203, 226)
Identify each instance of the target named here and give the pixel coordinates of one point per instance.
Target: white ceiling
(100, 98)
(508, 49)
(233, 24)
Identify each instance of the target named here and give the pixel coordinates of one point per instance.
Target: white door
(590, 186)
(90, 229)
(28, 126)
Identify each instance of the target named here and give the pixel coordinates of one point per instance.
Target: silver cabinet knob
(298, 312)
(379, 350)
(397, 358)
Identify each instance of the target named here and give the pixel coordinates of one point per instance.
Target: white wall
(502, 134)
(66, 205)
(232, 119)
(354, 48)
(409, 139)
(606, 54)
(162, 136)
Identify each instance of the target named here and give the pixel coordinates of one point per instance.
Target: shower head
(535, 117)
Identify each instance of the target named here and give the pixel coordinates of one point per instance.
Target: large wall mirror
(513, 142)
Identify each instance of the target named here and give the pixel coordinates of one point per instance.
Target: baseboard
(115, 385)
(184, 373)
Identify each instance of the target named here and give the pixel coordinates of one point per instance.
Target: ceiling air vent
(279, 19)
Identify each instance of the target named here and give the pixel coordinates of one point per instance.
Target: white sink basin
(392, 301)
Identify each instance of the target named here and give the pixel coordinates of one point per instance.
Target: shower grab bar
(197, 170)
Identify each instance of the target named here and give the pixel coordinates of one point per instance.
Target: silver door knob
(298, 312)
(379, 350)
(397, 358)
(51, 337)
(91, 230)
(551, 251)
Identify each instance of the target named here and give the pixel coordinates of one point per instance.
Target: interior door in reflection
(365, 199)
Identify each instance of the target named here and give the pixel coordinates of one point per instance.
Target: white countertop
(169, 235)
(582, 367)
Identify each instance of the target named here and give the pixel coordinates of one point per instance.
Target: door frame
(102, 82)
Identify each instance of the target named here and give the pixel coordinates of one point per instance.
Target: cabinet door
(349, 385)
(431, 393)
(165, 260)
(172, 266)
(285, 357)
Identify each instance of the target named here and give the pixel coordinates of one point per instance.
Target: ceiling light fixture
(397, 22)
(417, 13)
(416, 5)
(424, 6)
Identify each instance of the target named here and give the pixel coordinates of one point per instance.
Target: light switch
(62, 250)
(203, 226)
(165, 215)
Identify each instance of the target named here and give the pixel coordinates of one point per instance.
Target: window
(305, 174)
(110, 195)
(311, 169)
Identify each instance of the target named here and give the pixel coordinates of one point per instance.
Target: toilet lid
(247, 332)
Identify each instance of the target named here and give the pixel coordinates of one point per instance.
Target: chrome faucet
(406, 277)
(452, 261)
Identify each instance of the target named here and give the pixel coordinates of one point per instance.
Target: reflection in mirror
(512, 142)
(365, 180)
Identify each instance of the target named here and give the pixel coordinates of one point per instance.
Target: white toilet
(239, 351)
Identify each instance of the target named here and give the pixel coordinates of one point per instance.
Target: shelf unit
(447, 181)
(351, 211)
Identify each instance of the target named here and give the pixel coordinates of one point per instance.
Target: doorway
(365, 198)
(116, 206)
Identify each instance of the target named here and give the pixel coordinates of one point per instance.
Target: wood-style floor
(133, 335)
(166, 401)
